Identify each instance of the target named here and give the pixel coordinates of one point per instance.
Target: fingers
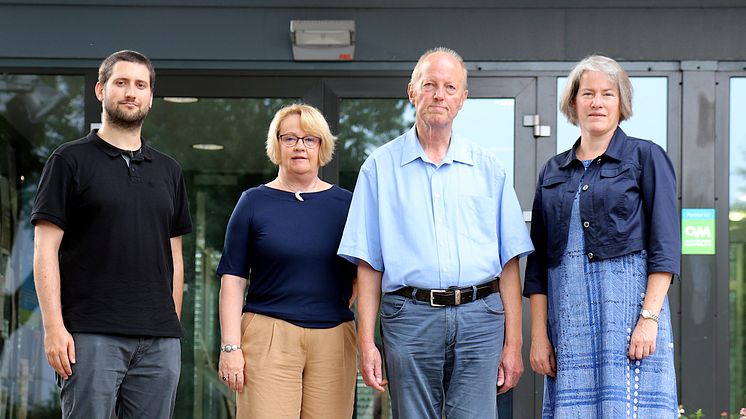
(543, 361)
(374, 378)
(230, 370)
(638, 351)
(510, 380)
(501, 388)
(234, 381)
(59, 347)
(370, 368)
(70, 359)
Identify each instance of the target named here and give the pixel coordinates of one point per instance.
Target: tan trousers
(295, 372)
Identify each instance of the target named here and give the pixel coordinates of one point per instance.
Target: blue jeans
(136, 377)
(442, 359)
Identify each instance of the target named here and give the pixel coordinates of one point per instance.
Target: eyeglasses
(290, 140)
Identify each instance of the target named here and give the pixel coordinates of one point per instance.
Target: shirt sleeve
(361, 239)
(536, 263)
(659, 204)
(182, 220)
(513, 237)
(235, 258)
(53, 193)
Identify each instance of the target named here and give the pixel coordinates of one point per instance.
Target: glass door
(492, 116)
(216, 127)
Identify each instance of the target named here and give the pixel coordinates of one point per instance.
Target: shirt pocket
(477, 218)
(552, 193)
(617, 192)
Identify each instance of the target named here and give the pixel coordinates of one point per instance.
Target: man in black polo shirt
(109, 215)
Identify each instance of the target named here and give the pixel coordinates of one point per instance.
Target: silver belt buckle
(432, 301)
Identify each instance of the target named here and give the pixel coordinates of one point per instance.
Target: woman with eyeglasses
(289, 348)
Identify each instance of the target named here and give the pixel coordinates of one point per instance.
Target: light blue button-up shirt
(434, 226)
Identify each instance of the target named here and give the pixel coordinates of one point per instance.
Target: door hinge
(535, 121)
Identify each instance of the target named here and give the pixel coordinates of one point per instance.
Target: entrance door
(215, 126)
(373, 111)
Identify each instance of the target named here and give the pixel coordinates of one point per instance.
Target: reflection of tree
(364, 125)
(739, 204)
(737, 291)
(37, 114)
(215, 180)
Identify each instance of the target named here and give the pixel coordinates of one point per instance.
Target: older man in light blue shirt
(433, 223)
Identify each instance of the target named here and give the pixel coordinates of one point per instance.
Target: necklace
(297, 193)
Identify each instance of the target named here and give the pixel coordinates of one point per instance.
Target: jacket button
(598, 161)
(586, 224)
(585, 187)
(590, 255)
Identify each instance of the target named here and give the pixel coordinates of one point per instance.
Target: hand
(370, 368)
(642, 342)
(230, 370)
(60, 349)
(510, 369)
(542, 356)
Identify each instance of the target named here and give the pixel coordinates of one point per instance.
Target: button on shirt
(433, 226)
(627, 204)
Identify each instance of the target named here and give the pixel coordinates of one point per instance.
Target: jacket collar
(613, 151)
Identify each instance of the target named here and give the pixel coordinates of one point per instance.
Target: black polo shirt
(115, 258)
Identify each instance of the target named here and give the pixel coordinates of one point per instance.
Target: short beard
(123, 120)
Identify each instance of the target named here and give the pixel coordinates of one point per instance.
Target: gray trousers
(134, 377)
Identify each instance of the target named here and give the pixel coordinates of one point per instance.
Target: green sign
(698, 231)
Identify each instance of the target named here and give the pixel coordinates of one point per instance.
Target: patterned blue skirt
(593, 309)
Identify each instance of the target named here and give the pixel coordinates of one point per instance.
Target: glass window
(649, 113)
(220, 159)
(491, 124)
(37, 113)
(737, 248)
(364, 125)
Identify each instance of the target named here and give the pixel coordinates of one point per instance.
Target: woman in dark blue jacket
(606, 231)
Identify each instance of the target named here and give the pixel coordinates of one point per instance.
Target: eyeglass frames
(290, 140)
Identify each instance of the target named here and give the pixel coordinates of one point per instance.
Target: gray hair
(612, 70)
(417, 72)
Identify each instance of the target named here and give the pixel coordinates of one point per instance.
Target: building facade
(225, 66)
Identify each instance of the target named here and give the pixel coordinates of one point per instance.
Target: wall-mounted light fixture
(323, 40)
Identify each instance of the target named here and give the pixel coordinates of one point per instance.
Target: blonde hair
(417, 72)
(312, 122)
(612, 70)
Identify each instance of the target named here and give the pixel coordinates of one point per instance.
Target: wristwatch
(647, 314)
(229, 348)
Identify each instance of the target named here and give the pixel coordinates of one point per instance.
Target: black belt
(450, 296)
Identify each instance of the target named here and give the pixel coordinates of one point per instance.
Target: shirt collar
(459, 149)
(613, 151)
(113, 151)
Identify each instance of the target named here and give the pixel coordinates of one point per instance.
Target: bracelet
(229, 348)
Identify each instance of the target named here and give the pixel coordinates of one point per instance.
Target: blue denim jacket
(628, 203)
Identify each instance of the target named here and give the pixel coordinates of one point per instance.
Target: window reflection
(364, 125)
(737, 248)
(215, 180)
(649, 113)
(37, 113)
(491, 124)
